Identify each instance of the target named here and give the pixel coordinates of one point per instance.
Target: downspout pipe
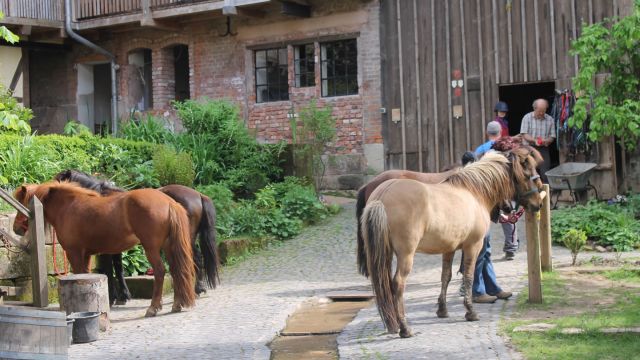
(112, 59)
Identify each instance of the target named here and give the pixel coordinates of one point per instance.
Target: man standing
(539, 130)
(494, 131)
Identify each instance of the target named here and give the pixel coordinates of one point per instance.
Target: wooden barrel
(27, 333)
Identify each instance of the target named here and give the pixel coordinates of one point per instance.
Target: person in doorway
(494, 131)
(501, 110)
(539, 130)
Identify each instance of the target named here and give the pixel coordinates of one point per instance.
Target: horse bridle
(532, 189)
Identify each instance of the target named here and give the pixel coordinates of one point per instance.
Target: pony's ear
(20, 193)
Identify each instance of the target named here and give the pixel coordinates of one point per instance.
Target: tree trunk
(85, 292)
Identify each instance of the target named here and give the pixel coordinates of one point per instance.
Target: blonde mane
(487, 179)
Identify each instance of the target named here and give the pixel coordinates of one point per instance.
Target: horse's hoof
(406, 333)
(471, 316)
(121, 302)
(151, 312)
(442, 314)
(176, 308)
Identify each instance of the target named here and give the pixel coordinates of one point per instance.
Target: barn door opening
(520, 99)
(94, 96)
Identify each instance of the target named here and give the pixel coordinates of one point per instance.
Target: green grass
(630, 275)
(553, 293)
(586, 346)
(592, 344)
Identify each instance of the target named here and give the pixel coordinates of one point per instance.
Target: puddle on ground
(312, 331)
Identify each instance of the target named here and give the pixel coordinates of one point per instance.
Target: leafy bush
(36, 159)
(173, 167)
(222, 149)
(135, 262)
(574, 240)
(612, 225)
(150, 130)
(314, 130)
(14, 118)
(74, 128)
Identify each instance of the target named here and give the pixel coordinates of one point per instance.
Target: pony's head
(23, 194)
(528, 186)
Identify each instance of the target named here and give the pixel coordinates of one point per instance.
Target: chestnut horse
(366, 190)
(406, 216)
(202, 222)
(87, 223)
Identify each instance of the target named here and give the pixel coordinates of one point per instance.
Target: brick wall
(222, 68)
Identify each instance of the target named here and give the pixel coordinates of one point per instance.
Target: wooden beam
(546, 260)
(32, 22)
(295, 9)
(38, 255)
(533, 258)
(159, 24)
(25, 30)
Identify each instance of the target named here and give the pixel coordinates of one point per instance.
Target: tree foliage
(610, 49)
(6, 34)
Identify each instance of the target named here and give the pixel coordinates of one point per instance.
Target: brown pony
(366, 190)
(406, 216)
(87, 223)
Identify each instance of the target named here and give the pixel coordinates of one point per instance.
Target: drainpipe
(98, 49)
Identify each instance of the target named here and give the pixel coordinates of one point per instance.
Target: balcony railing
(33, 9)
(89, 14)
(90, 9)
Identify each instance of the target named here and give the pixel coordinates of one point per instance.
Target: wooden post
(533, 258)
(85, 292)
(545, 232)
(38, 254)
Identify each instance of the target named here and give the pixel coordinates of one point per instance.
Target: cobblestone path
(237, 320)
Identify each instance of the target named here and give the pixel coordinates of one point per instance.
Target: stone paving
(238, 319)
(450, 338)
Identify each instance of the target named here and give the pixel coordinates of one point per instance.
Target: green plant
(150, 130)
(222, 149)
(574, 240)
(613, 107)
(173, 167)
(134, 261)
(74, 128)
(315, 129)
(607, 225)
(14, 118)
(6, 34)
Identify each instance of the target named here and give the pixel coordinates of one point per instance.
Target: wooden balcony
(90, 14)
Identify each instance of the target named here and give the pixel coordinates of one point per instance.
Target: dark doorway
(520, 99)
(102, 97)
(181, 62)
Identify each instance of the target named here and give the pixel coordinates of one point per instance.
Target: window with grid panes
(271, 75)
(339, 68)
(304, 65)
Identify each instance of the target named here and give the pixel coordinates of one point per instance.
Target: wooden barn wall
(427, 44)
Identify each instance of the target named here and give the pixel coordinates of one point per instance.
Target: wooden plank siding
(487, 44)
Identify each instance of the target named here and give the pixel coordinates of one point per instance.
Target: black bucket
(85, 326)
(70, 329)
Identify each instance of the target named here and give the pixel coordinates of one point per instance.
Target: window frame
(282, 69)
(308, 61)
(329, 82)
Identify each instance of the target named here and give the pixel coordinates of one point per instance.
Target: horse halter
(532, 190)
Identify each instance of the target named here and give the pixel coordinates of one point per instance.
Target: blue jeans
(484, 278)
(510, 237)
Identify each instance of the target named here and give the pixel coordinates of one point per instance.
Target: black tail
(208, 244)
(362, 256)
